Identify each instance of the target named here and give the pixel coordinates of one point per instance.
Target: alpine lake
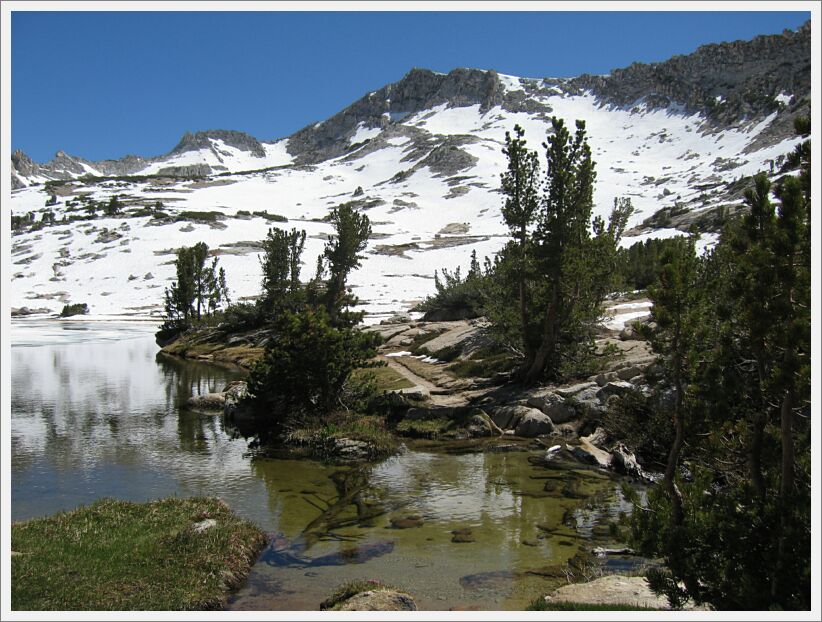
(96, 411)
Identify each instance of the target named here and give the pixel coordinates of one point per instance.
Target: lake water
(96, 412)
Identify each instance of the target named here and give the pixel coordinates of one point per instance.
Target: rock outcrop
(378, 600)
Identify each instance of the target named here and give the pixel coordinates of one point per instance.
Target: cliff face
(419, 89)
(202, 140)
(725, 81)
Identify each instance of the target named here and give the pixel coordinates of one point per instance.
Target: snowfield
(422, 220)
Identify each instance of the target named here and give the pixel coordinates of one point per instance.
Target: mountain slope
(422, 156)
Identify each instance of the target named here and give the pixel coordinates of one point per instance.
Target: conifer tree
(343, 253)
(520, 186)
(280, 263)
(560, 242)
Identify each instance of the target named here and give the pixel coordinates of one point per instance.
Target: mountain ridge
(424, 169)
(781, 63)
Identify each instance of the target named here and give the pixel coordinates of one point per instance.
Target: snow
(364, 133)
(618, 322)
(510, 83)
(637, 154)
(784, 98)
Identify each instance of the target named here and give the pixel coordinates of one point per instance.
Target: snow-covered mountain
(422, 157)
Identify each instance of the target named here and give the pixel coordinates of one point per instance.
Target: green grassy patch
(540, 604)
(385, 378)
(484, 363)
(448, 353)
(117, 555)
(320, 439)
(424, 428)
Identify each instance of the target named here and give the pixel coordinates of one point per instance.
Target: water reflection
(96, 412)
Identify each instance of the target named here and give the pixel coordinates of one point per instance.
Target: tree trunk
(755, 456)
(523, 298)
(785, 488)
(676, 448)
(760, 419)
(536, 368)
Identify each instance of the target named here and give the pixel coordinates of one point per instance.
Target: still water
(96, 412)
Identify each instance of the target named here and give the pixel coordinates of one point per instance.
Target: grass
(118, 555)
(484, 363)
(385, 378)
(540, 604)
(424, 428)
(320, 438)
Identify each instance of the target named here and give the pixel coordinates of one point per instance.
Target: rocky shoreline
(442, 406)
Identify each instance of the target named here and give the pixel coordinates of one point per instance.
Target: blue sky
(106, 84)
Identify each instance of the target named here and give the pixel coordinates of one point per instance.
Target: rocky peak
(725, 81)
(232, 138)
(419, 89)
(22, 164)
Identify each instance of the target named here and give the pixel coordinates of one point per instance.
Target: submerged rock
(351, 449)
(493, 580)
(406, 523)
(462, 535)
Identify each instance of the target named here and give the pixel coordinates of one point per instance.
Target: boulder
(398, 318)
(611, 590)
(624, 461)
(479, 424)
(598, 437)
(507, 417)
(234, 408)
(574, 389)
(588, 400)
(591, 454)
(207, 401)
(351, 449)
(553, 405)
(534, 423)
(619, 387)
(379, 600)
(626, 373)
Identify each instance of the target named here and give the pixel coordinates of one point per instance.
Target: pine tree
(280, 264)
(560, 243)
(199, 288)
(343, 253)
(520, 187)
